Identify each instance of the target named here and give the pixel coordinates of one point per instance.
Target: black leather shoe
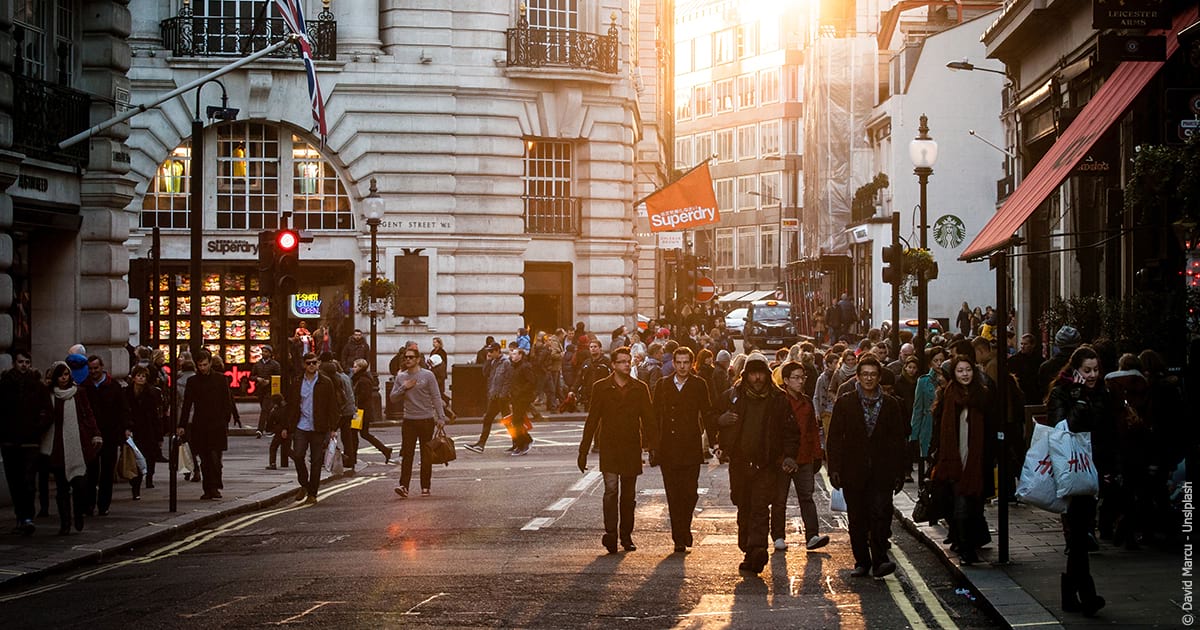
(610, 542)
(884, 569)
(680, 549)
(859, 571)
(628, 544)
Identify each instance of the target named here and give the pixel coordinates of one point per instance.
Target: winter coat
(650, 372)
(499, 376)
(262, 372)
(1087, 410)
(207, 407)
(145, 411)
(354, 350)
(862, 462)
(325, 411)
(107, 401)
(780, 435)
(524, 382)
(921, 419)
(366, 395)
(809, 451)
(27, 410)
(63, 453)
(682, 415)
(621, 422)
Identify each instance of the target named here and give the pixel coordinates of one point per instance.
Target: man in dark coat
(207, 392)
(27, 415)
(760, 437)
(312, 420)
(1024, 365)
(107, 400)
(619, 419)
(683, 410)
(865, 447)
(261, 372)
(356, 348)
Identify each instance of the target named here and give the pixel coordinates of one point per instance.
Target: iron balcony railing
(45, 114)
(189, 35)
(552, 215)
(545, 47)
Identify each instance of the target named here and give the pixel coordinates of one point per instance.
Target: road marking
(935, 606)
(217, 607)
(662, 492)
(588, 479)
(311, 609)
(829, 584)
(195, 539)
(896, 590)
(536, 524)
(561, 504)
(412, 611)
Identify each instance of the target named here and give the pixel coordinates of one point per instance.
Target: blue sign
(305, 305)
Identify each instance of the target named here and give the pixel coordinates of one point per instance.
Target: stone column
(9, 168)
(104, 191)
(357, 27)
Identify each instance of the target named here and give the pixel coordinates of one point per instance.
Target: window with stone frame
(747, 246)
(724, 242)
(43, 33)
(725, 145)
(561, 15)
(768, 85)
(724, 96)
(683, 152)
(769, 134)
(747, 142)
(704, 146)
(748, 195)
(747, 91)
(704, 100)
(723, 189)
(256, 172)
(550, 207)
(768, 245)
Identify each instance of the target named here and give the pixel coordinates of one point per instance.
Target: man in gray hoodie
(497, 372)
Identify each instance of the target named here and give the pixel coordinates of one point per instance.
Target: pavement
(1143, 588)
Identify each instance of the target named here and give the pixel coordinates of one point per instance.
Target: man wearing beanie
(757, 433)
(1066, 340)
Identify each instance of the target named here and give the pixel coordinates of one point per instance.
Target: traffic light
(266, 261)
(685, 279)
(893, 264)
(287, 261)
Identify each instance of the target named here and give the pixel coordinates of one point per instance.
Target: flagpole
(137, 109)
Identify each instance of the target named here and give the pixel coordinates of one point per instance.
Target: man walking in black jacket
(27, 415)
(620, 415)
(759, 436)
(208, 404)
(115, 423)
(683, 410)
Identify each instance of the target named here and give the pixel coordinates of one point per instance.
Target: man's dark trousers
(314, 442)
(620, 498)
(100, 473)
(869, 511)
(495, 407)
(210, 469)
(20, 468)
(752, 490)
(681, 485)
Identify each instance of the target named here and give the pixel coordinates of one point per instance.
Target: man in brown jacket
(620, 420)
(683, 410)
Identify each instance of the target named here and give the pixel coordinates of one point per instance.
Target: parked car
(934, 326)
(735, 320)
(771, 324)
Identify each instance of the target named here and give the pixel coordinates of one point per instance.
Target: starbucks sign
(949, 231)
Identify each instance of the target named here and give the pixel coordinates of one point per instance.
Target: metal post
(895, 332)
(922, 281)
(173, 396)
(1000, 264)
(374, 223)
(196, 227)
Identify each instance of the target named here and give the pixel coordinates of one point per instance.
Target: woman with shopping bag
(145, 401)
(1079, 397)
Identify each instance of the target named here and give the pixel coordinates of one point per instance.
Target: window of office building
(747, 90)
(768, 183)
(747, 142)
(724, 192)
(703, 100)
(747, 40)
(683, 152)
(725, 96)
(683, 56)
(723, 46)
(683, 105)
(768, 243)
(768, 84)
(257, 172)
(724, 242)
(770, 140)
(704, 146)
(725, 145)
(43, 36)
(703, 52)
(747, 246)
(748, 193)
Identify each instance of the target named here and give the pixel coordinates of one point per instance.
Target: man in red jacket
(808, 463)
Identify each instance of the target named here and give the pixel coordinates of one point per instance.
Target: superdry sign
(687, 203)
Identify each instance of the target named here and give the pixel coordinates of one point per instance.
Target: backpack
(347, 408)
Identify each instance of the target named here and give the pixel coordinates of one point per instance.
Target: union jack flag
(293, 15)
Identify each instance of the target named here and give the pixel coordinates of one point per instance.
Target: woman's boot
(1070, 594)
(1089, 601)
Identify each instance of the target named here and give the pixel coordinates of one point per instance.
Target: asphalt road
(502, 542)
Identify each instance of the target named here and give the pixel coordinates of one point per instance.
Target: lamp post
(970, 67)
(923, 153)
(373, 210)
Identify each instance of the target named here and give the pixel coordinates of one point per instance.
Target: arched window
(253, 174)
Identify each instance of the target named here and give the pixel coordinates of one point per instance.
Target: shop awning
(733, 296)
(1109, 104)
(755, 296)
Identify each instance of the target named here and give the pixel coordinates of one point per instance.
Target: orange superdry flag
(687, 203)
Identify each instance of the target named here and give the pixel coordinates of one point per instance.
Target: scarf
(949, 466)
(843, 373)
(870, 407)
(73, 456)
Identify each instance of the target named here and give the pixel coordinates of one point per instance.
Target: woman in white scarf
(71, 443)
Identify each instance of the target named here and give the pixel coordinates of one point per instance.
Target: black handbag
(926, 509)
(440, 449)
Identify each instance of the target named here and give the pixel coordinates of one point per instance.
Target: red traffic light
(286, 240)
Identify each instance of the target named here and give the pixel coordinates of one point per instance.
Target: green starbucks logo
(949, 231)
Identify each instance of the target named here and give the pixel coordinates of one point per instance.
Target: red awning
(1109, 104)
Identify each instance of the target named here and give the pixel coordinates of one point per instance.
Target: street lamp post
(373, 209)
(923, 153)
